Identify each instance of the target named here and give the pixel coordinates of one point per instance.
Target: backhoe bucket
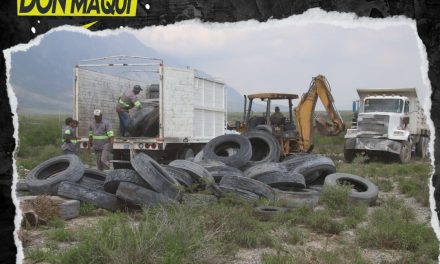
(325, 128)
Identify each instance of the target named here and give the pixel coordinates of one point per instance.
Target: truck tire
(364, 190)
(261, 189)
(197, 172)
(45, 177)
(294, 161)
(156, 176)
(289, 179)
(264, 128)
(115, 177)
(186, 154)
(265, 168)
(422, 147)
(81, 192)
(349, 155)
(293, 197)
(136, 195)
(265, 147)
(316, 168)
(239, 193)
(180, 175)
(405, 152)
(218, 172)
(93, 178)
(216, 150)
(21, 185)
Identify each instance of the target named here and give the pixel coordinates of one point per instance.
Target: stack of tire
(65, 176)
(248, 166)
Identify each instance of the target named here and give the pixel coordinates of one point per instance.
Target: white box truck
(191, 107)
(390, 121)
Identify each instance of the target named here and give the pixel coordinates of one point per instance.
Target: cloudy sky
(284, 55)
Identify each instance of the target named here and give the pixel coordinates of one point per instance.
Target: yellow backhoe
(295, 133)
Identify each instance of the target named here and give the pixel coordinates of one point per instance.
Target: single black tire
(81, 192)
(265, 128)
(180, 175)
(239, 193)
(288, 179)
(136, 195)
(93, 178)
(364, 190)
(263, 169)
(316, 168)
(294, 197)
(156, 176)
(265, 147)
(261, 189)
(349, 155)
(405, 152)
(143, 119)
(197, 172)
(115, 177)
(216, 149)
(45, 177)
(266, 213)
(293, 161)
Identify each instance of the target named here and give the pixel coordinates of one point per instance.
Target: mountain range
(42, 76)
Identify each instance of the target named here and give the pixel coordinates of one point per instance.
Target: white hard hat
(97, 112)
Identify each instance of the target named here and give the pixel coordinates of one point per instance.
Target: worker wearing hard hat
(101, 139)
(127, 101)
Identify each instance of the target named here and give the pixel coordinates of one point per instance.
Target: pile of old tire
(65, 176)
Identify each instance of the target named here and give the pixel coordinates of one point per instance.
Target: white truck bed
(191, 107)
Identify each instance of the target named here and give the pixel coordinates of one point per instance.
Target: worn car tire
(316, 168)
(180, 175)
(115, 177)
(216, 150)
(197, 172)
(136, 195)
(261, 189)
(294, 197)
(265, 147)
(21, 185)
(218, 172)
(45, 177)
(288, 179)
(364, 190)
(156, 176)
(266, 213)
(239, 193)
(81, 192)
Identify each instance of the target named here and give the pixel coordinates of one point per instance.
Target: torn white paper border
(312, 16)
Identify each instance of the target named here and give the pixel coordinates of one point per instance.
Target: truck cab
(387, 121)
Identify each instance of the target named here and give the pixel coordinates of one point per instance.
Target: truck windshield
(383, 105)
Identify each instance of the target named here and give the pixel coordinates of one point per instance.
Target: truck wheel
(405, 152)
(422, 147)
(349, 155)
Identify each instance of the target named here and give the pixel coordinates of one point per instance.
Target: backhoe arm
(304, 113)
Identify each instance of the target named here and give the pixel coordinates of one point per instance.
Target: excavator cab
(283, 129)
(295, 132)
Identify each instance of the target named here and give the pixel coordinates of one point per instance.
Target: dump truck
(295, 133)
(387, 121)
(183, 108)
